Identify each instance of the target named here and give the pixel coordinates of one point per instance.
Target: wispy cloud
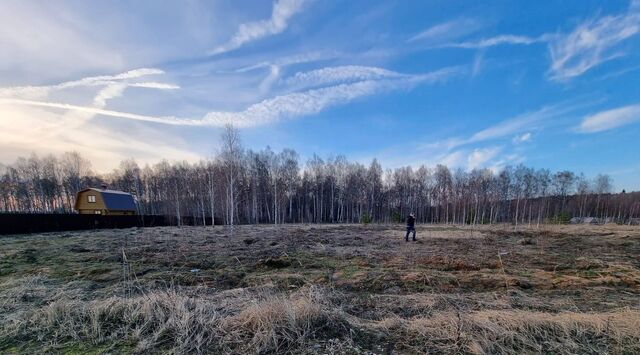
(349, 73)
(497, 41)
(309, 102)
(34, 129)
(572, 54)
(449, 30)
(480, 156)
(291, 60)
(103, 80)
(524, 122)
(272, 77)
(521, 125)
(486, 148)
(521, 138)
(42, 42)
(112, 86)
(108, 93)
(97, 111)
(478, 61)
(610, 119)
(492, 157)
(285, 106)
(591, 43)
(619, 72)
(281, 12)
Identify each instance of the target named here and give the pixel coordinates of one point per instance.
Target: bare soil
(323, 289)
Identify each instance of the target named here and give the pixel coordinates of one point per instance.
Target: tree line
(244, 186)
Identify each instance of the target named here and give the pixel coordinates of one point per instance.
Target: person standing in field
(411, 227)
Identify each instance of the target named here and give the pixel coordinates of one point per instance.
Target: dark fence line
(21, 223)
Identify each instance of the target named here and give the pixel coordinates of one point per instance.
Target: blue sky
(465, 83)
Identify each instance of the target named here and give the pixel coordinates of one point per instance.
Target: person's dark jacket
(411, 221)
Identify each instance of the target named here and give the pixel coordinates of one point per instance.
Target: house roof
(116, 200)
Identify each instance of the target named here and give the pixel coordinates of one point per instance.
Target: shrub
(561, 218)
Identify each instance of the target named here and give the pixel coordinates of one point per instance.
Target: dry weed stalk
(504, 274)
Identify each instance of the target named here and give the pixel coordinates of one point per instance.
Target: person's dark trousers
(409, 230)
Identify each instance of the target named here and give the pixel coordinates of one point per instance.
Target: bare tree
(231, 156)
(271, 187)
(602, 185)
(563, 182)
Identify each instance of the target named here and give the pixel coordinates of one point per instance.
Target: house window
(91, 198)
(97, 211)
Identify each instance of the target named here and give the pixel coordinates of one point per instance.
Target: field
(322, 289)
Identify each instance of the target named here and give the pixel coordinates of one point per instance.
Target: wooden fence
(20, 223)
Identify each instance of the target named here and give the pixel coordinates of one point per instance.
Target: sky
(464, 83)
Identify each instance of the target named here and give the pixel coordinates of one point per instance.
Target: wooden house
(105, 202)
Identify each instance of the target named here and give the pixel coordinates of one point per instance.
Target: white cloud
(33, 129)
(42, 41)
(113, 86)
(272, 77)
(525, 137)
(477, 63)
(94, 110)
(510, 159)
(467, 159)
(498, 40)
(590, 44)
(281, 12)
(72, 120)
(480, 156)
(526, 121)
(108, 93)
(153, 85)
(460, 151)
(103, 80)
(521, 125)
(270, 110)
(349, 73)
(453, 159)
(291, 60)
(572, 54)
(100, 80)
(610, 119)
(447, 30)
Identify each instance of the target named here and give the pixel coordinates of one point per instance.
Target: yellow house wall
(85, 207)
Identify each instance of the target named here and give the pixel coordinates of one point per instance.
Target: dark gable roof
(117, 200)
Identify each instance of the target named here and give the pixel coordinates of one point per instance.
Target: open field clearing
(323, 289)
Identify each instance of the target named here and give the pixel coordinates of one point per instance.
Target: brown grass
(322, 289)
(237, 322)
(509, 332)
(177, 323)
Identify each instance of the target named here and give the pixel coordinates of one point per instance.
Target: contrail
(165, 120)
(291, 105)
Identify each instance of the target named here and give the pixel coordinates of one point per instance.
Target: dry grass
(322, 289)
(509, 332)
(177, 323)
